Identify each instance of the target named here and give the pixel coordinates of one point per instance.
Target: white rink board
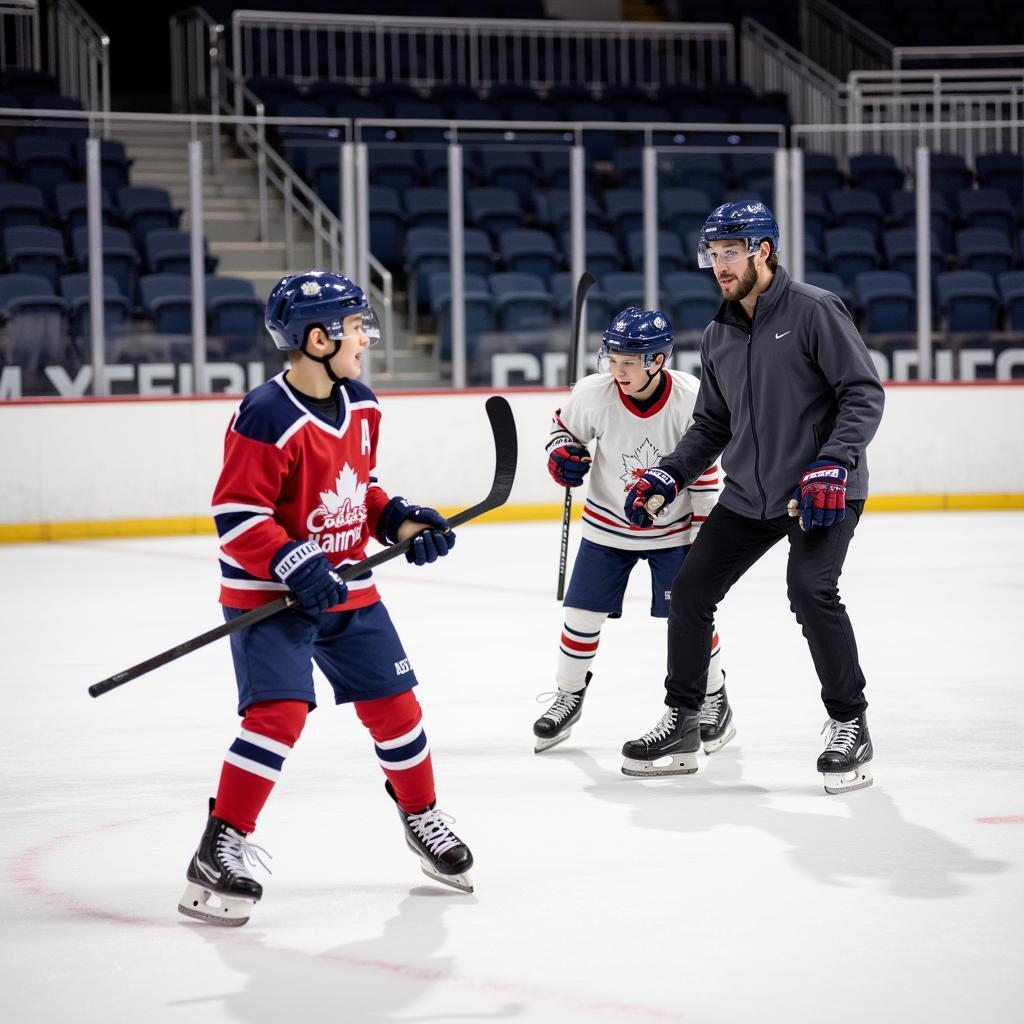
(130, 459)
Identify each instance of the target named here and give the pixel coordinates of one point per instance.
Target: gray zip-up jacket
(793, 385)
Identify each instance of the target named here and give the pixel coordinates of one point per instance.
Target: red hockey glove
(820, 500)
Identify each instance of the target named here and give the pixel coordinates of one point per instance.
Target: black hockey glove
(304, 567)
(430, 544)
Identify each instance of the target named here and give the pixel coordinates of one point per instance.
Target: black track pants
(726, 547)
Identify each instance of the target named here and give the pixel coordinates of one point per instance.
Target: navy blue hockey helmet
(316, 298)
(636, 332)
(747, 219)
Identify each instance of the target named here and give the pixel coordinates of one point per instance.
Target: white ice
(743, 893)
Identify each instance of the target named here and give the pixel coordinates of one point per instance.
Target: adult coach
(790, 398)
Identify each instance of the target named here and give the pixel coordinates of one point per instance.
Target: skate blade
(206, 905)
(460, 882)
(712, 745)
(670, 764)
(547, 744)
(847, 782)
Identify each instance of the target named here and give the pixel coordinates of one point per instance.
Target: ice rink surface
(742, 893)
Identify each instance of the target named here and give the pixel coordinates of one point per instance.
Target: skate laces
(841, 735)
(712, 708)
(431, 826)
(565, 704)
(239, 855)
(663, 728)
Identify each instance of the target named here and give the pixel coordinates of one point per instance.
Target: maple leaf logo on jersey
(341, 509)
(638, 463)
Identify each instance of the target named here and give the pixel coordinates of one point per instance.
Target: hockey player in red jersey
(296, 499)
(615, 425)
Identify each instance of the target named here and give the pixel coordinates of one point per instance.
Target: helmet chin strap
(325, 361)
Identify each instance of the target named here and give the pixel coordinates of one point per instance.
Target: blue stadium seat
(34, 320)
(554, 211)
(303, 109)
(1011, 289)
(428, 252)
(704, 113)
(968, 300)
(169, 251)
(988, 208)
(691, 299)
(472, 109)
(70, 130)
(45, 161)
(600, 145)
(394, 166)
(529, 250)
(756, 113)
(31, 249)
(671, 257)
(623, 288)
(522, 301)
(273, 90)
(704, 171)
(836, 285)
(851, 251)
(815, 261)
(683, 209)
(115, 166)
(117, 309)
(563, 292)
(858, 208)
(8, 172)
(387, 224)
(21, 204)
(233, 310)
(950, 175)
(888, 301)
(984, 249)
(513, 169)
(415, 108)
(876, 172)
(900, 245)
(1004, 171)
(427, 208)
(144, 208)
(821, 173)
(817, 219)
(603, 253)
(494, 209)
(480, 316)
(625, 208)
(72, 206)
(167, 301)
(751, 169)
(120, 258)
(904, 212)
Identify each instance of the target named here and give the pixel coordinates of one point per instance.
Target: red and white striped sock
(581, 633)
(254, 761)
(396, 725)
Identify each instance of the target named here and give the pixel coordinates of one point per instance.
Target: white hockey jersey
(623, 443)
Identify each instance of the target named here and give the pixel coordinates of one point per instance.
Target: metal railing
(79, 55)
(423, 52)
(959, 111)
(838, 42)
(19, 34)
(769, 64)
(196, 53)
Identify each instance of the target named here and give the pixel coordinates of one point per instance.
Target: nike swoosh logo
(205, 868)
(782, 335)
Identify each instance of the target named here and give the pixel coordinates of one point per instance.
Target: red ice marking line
(1006, 819)
(25, 871)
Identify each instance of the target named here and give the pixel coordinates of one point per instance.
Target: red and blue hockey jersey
(288, 475)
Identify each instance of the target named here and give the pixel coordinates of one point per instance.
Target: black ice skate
(716, 728)
(845, 762)
(556, 723)
(220, 888)
(670, 748)
(443, 855)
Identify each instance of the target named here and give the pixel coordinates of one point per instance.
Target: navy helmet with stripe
(316, 298)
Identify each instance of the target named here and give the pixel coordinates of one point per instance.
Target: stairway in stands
(231, 220)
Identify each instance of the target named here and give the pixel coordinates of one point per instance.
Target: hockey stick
(503, 427)
(585, 283)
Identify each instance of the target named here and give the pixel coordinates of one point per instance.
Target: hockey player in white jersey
(614, 426)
